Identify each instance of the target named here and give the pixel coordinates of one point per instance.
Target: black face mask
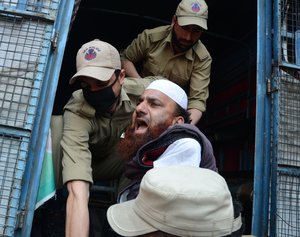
(101, 100)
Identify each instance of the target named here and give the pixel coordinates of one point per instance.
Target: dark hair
(179, 111)
(164, 234)
(117, 72)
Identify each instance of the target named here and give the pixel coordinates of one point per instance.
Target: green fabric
(47, 181)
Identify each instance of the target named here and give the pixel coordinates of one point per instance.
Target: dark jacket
(143, 160)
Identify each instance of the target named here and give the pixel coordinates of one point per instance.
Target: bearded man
(160, 135)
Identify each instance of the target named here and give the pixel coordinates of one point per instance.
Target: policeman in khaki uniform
(176, 52)
(93, 121)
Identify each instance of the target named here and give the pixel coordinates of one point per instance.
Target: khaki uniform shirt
(86, 136)
(190, 70)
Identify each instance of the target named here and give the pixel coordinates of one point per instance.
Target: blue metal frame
(43, 117)
(276, 60)
(262, 130)
(297, 45)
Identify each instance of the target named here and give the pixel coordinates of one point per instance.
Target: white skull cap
(170, 89)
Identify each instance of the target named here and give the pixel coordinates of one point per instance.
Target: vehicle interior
(229, 121)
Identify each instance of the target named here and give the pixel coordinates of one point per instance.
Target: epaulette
(201, 51)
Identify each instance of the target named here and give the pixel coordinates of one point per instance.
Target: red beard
(130, 144)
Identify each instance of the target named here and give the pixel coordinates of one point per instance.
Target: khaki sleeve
(199, 83)
(76, 159)
(137, 50)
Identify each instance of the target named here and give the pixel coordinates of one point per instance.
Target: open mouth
(141, 126)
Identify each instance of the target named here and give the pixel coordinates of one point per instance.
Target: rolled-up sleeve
(199, 83)
(137, 50)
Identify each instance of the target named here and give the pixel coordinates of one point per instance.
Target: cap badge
(195, 7)
(90, 54)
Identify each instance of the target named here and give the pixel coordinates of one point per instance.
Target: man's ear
(178, 120)
(122, 76)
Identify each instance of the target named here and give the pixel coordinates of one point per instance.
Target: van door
(32, 40)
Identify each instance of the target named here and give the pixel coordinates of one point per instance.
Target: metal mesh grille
(288, 157)
(25, 42)
(12, 161)
(45, 7)
(287, 189)
(289, 122)
(22, 61)
(288, 206)
(290, 31)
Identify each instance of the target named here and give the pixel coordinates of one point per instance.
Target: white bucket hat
(179, 200)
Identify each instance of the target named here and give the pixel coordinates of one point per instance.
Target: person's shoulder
(158, 33)
(159, 29)
(78, 105)
(184, 127)
(137, 85)
(201, 51)
(75, 99)
(134, 87)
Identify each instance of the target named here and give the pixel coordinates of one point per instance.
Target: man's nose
(94, 88)
(188, 35)
(141, 108)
